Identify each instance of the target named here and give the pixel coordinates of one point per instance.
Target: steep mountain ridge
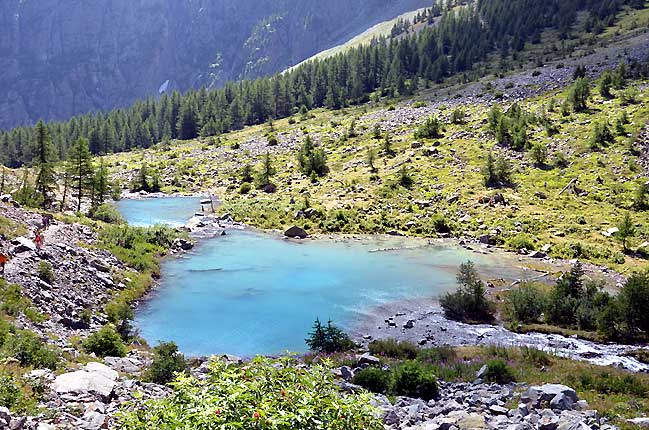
(59, 58)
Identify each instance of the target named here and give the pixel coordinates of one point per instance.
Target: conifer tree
(80, 170)
(46, 179)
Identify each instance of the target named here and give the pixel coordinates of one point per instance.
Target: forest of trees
(387, 67)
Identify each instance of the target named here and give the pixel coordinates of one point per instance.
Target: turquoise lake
(251, 293)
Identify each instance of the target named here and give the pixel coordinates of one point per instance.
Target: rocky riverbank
(423, 323)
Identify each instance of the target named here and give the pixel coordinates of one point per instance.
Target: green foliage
(44, 160)
(497, 371)
(46, 272)
(30, 350)
(10, 393)
(373, 379)
(265, 172)
(413, 379)
(108, 213)
(105, 343)
(579, 94)
(138, 246)
(525, 304)
(521, 241)
(328, 338)
(626, 230)
(605, 84)
(539, 153)
(601, 135)
(245, 188)
(120, 314)
(167, 362)
(509, 128)
(79, 170)
(641, 197)
(312, 160)
(458, 116)
(405, 180)
(497, 171)
(272, 140)
(469, 302)
(265, 394)
(386, 145)
(430, 129)
(393, 349)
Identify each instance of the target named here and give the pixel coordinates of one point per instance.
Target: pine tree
(81, 171)
(266, 172)
(100, 184)
(46, 179)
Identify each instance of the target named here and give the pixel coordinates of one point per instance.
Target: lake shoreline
(430, 327)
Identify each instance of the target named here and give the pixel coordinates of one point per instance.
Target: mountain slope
(59, 58)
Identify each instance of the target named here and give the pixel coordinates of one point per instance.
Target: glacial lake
(251, 293)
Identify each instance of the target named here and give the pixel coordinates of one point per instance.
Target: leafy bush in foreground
(498, 372)
(265, 394)
(416, 380)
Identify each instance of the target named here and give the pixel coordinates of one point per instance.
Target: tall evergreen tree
(46, 179)
(80, 170)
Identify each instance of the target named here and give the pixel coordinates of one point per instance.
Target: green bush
(120, 314)
(601, 135)
(245, 188)
(521, 241)
(167, 361)
(265, 394)
(496, 172)
(431, 129)
(29, 350)
(46, 272)
(373, 379)
(10, 392)
(525, 304)
(415, 380)
(105, 343)
(107, 213)
(393, 349)
(498, 372)
(469, 302)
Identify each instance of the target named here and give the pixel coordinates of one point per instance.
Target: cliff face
(59, 58)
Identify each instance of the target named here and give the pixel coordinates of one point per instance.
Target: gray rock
(368, 359)
(545, 393)
(640, 422)
(96, 378)
(23, 244)
(346, 373)
(562, 402)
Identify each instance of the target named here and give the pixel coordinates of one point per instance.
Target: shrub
(496, 172)
(579, 94)
(107, 213)
(539, 153)
(469, 302)
(536, 356)
(498, 372)
(29, 350)
(440, 223)
(10, 392)
(430, 129)
(272, 140)
(416, 380)
(245, 188)
(328, 338)
(46, 272)
(438, 354)
(120, 314)
(266, 394)
(373, 379)
(105, 343)
(167, 361)
(458, 116)
(525, 304)
(393, 349)
(601, 135)
(521, 241)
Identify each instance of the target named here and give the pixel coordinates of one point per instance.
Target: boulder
(485, 239)
(296, 232)
(368, 359)
(562, 402)
(416, 145)
(640, 422)
(409, 324)
(546, 393)
(96, 378)
(23, 244)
